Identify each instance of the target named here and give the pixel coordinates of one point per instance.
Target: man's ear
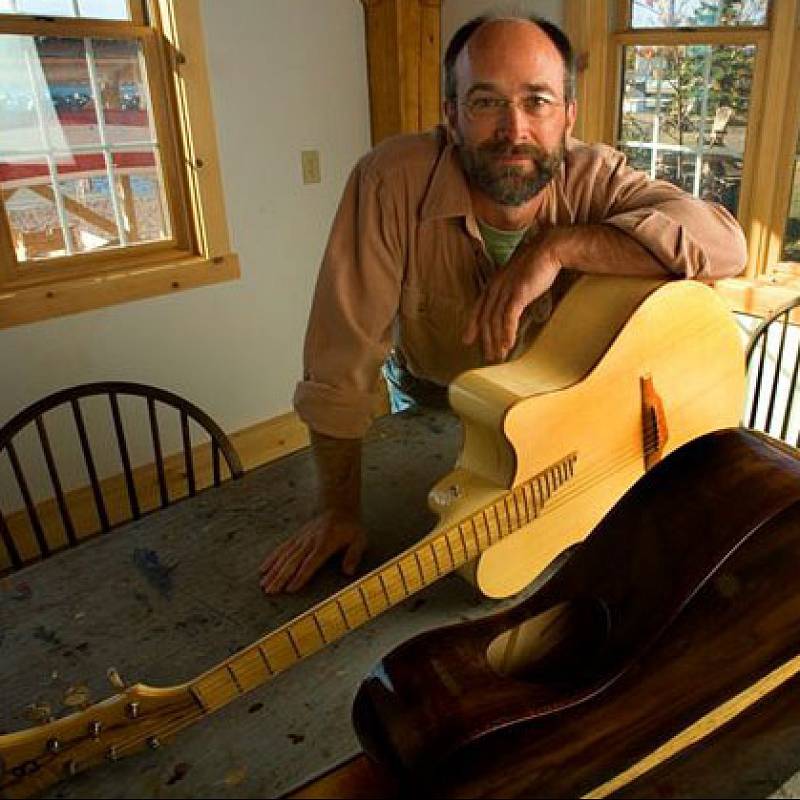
(572, 114)
(450, 109)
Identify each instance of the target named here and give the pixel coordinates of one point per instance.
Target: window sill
(35, 303)
(759, 297)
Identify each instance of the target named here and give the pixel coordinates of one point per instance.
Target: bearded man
(452, 247)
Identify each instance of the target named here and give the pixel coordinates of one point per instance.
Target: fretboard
(380, 590)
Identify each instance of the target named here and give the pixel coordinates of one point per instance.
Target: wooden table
(169, 596)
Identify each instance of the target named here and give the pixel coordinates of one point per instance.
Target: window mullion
(104, 143)
(44, 132)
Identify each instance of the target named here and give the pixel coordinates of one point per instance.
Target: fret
(364, 601)
(376, 594)
(413, 580)
(293, 643)
(528, 515)
(265, 659)
(512, 520)
(235, 680)
(463, 543)
(436, 564)
(512, 512)
(465, 540)
(279, 652)
(217, 688)
(402, 578)
(249, 669)
(385, 590)
(497, 519)
(510, 516)
(319, 628)
(419, 567)
(305, 636)
(488, 528)
(330, 619)
(521, 506)
(530, 500)
(354, 608)
(342, 614)
(450, 548)
(539, 486)
(198, 699)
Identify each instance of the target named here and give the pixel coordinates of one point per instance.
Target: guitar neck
(380, 590)
(142, 716)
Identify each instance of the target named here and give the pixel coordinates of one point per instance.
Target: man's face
(510, 121)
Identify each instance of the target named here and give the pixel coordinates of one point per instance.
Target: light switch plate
(310, 162)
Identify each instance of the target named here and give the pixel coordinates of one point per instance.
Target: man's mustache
(502, 149)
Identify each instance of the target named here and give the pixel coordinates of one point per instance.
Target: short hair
(460, 38)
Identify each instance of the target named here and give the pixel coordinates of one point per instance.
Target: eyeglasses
(536, 106)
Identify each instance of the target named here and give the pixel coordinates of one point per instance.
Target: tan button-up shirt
(405, 263)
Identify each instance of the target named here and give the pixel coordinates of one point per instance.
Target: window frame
(198, 252)
(600, 30)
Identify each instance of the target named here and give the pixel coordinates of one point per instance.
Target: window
(109, 188)
(703, 93)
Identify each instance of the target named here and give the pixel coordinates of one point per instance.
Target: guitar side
(579, 389)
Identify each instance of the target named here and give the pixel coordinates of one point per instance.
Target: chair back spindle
(26, 535)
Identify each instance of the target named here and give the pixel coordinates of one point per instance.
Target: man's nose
(514, 124)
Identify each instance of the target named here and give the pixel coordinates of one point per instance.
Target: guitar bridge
(654, 423)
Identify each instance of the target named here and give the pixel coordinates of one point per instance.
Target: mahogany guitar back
(682, 598)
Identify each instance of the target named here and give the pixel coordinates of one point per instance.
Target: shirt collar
(448, 192)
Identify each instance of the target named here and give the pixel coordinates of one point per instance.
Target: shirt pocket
(430, 333)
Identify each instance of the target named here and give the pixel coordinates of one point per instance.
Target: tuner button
(94, 729)
(153, 743)
(132, 710)
(53, 745)
(112, 754)
(71, 767)
(115, 679)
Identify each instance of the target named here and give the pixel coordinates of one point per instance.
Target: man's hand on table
(290, 566)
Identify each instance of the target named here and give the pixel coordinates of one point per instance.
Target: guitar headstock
(138, 717)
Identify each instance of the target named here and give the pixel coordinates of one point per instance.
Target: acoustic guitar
(625, 371)
(678, 612)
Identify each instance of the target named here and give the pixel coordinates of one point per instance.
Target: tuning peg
(115, 679)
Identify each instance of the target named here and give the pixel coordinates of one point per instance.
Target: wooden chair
(773, 364)
(719, 126)
(26, 535)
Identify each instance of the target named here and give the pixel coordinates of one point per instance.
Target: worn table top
(165, 598)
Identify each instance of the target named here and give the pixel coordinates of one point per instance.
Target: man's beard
(510, 185)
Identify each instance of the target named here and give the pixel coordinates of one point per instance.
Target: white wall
(286, 75)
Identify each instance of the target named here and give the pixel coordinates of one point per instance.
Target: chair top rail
(54, 400)
(762, 326)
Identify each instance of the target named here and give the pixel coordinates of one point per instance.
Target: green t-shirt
(500, 244)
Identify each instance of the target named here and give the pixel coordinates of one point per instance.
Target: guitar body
(678, 612)
(579, 388)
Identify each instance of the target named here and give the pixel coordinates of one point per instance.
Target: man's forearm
(338, 464)
(601, 250)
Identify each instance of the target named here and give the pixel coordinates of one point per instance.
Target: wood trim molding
(403, 58)
(22, 305)
(759, 297)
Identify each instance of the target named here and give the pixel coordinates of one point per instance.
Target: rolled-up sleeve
(691, 238)
(355, 303)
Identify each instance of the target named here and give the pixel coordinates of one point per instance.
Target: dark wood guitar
(679, 611)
